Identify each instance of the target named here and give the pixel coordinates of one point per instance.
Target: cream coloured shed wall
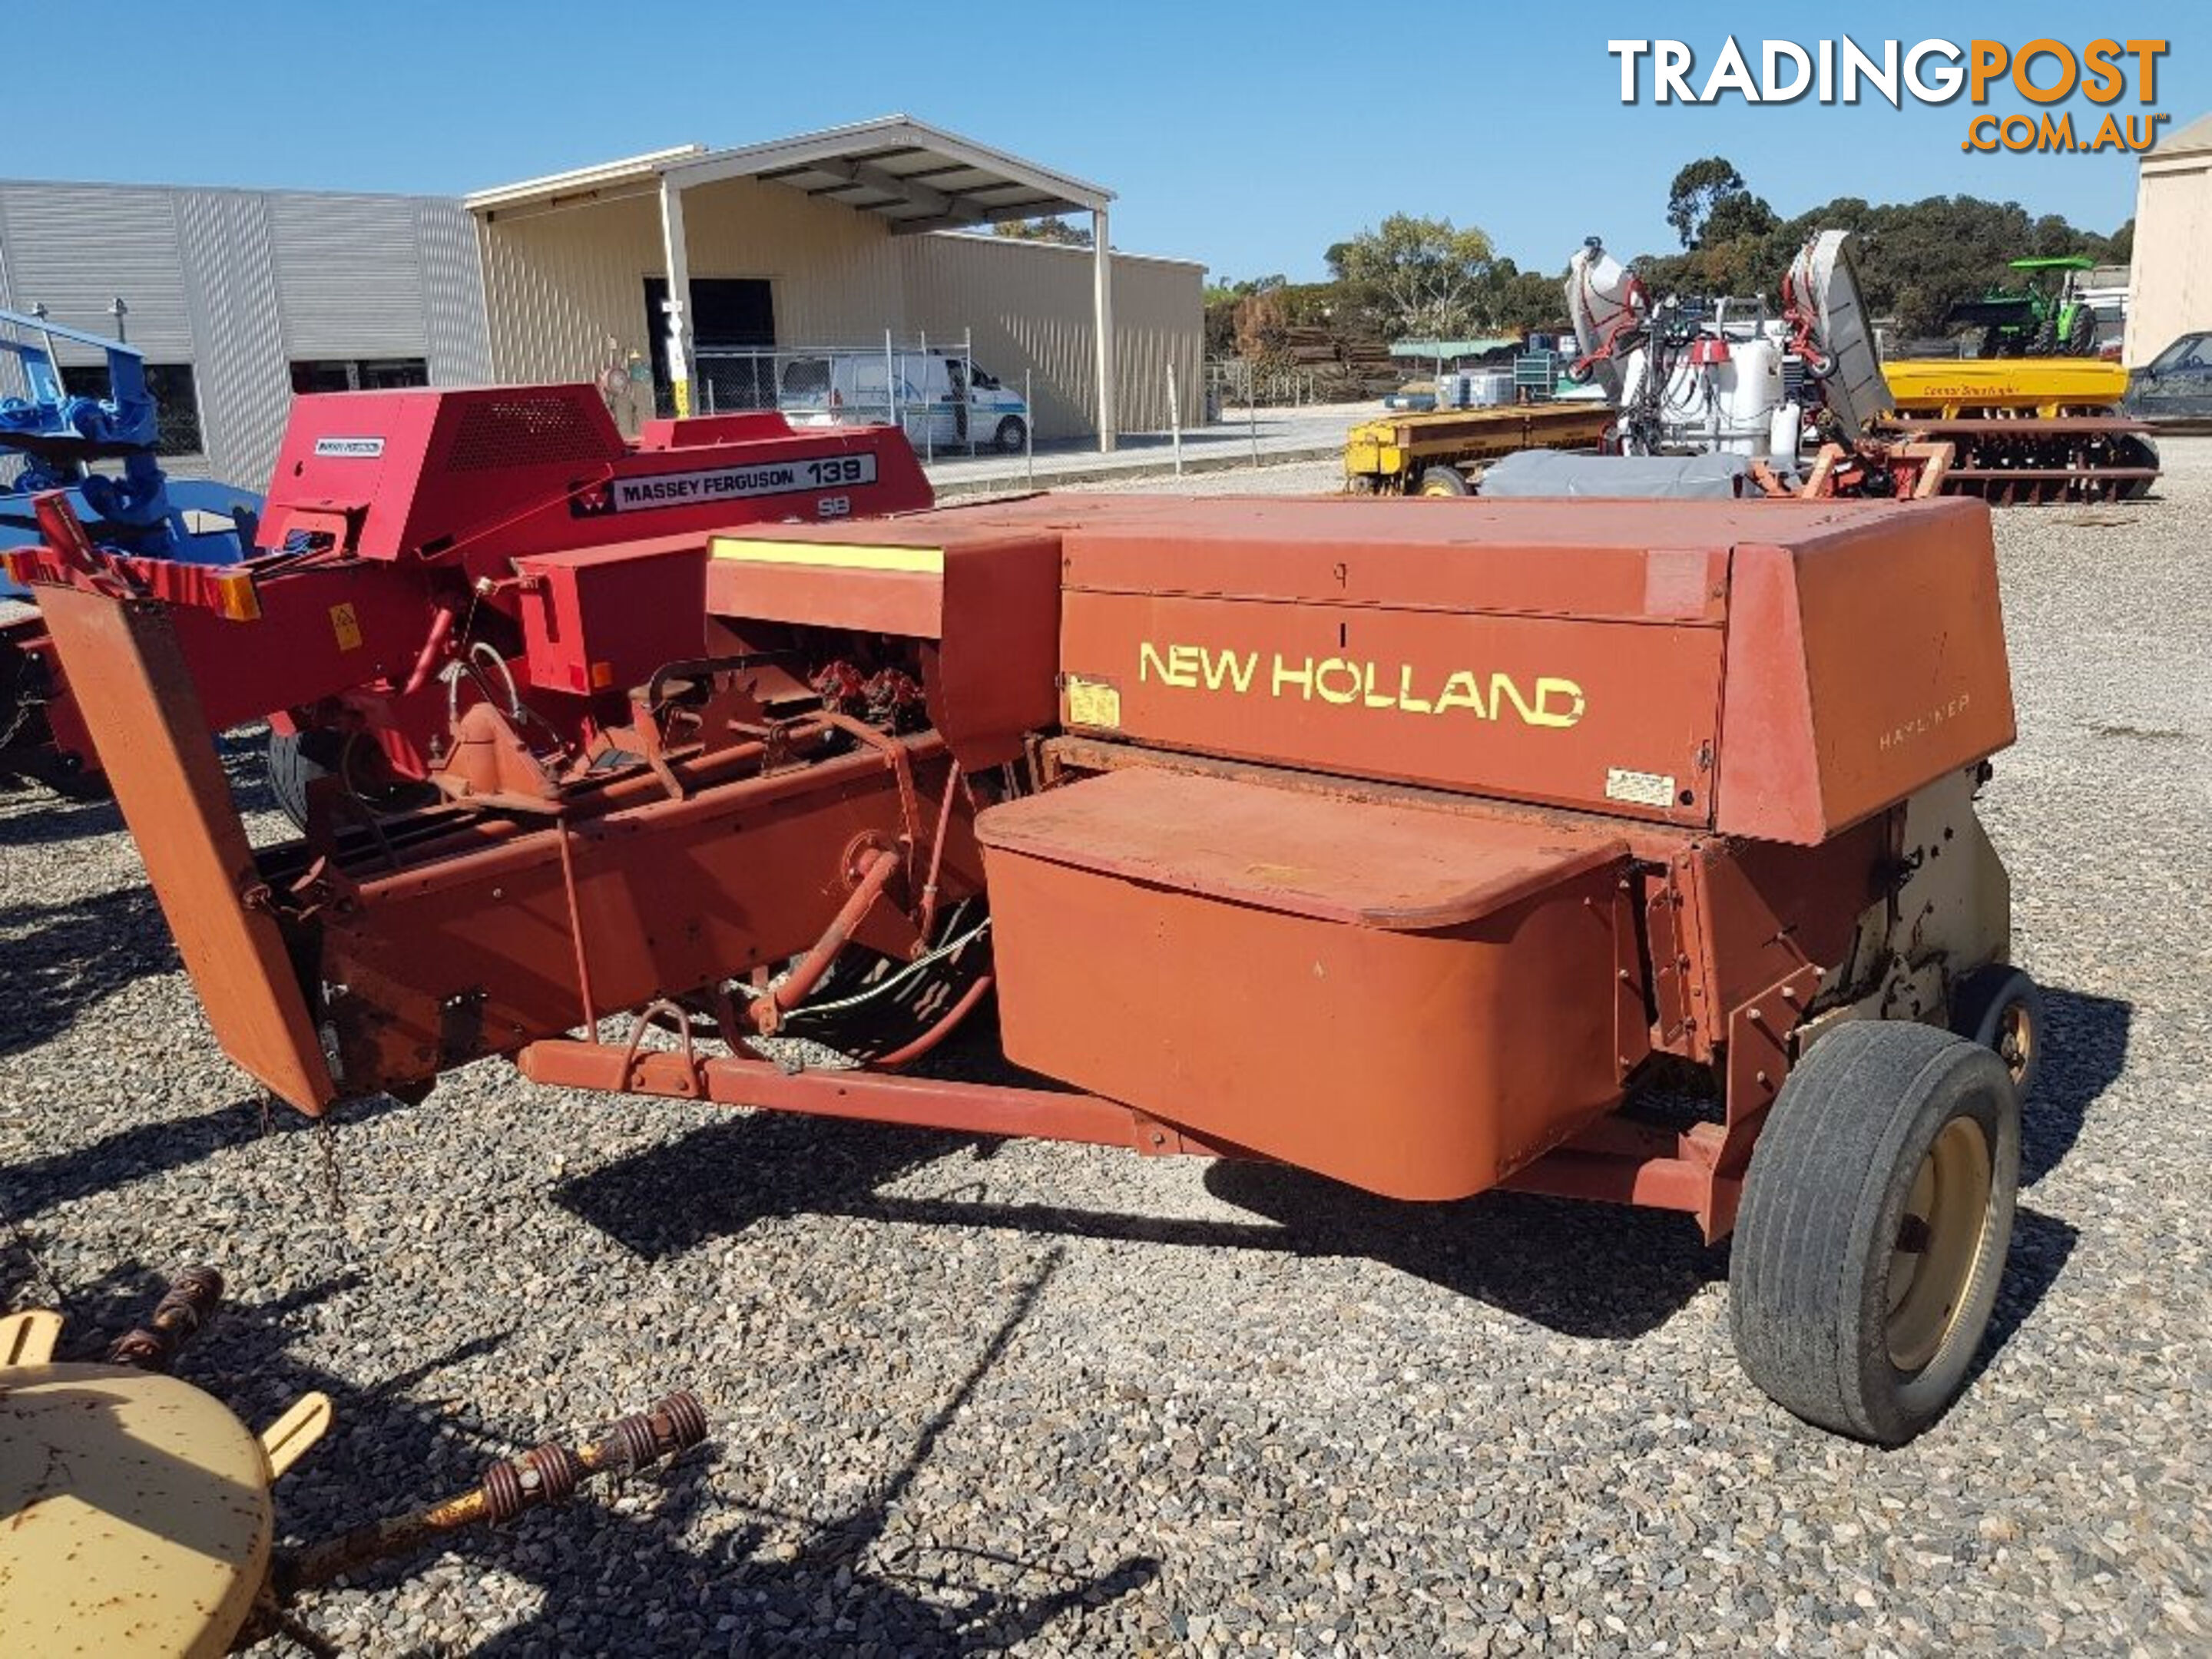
(1029, 305)
(2170, 289)
(560, 285)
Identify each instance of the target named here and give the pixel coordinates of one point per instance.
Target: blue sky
(1250, 137)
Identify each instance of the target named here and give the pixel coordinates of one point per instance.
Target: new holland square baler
(1615, 850)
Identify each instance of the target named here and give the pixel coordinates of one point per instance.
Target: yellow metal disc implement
(135, 1514)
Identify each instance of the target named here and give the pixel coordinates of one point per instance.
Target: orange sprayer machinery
(1619, 850)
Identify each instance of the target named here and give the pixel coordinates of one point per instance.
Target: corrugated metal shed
(562, 285)
(537, 281)
(1028, 304)
(2188, 141)
(240, 285)
(912, 176)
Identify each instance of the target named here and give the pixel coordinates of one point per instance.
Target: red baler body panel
(1244, 950)
(537, 468)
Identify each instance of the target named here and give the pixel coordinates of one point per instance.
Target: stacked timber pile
(1343, 362)
(1344, 365)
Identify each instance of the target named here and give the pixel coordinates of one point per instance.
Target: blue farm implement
(60, 439)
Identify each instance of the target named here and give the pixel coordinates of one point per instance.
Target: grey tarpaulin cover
(1548, 472)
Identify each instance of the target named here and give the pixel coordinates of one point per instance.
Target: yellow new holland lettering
(1462, 690)
(1406, 700)
(1226, 666)
(1548, 702)
(1539, 712)
(1151, 666)
(1340, 692)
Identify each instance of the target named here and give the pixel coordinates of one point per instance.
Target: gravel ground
(975, 1397)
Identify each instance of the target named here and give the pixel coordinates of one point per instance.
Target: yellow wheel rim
(1440, 490)
(1939, 1242)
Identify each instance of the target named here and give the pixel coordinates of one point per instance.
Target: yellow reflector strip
(235, 596)
(832, 555)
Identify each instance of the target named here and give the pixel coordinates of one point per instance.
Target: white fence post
(1175, 421)
(928, 407)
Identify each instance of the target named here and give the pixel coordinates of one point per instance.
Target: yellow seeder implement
(2025, 429)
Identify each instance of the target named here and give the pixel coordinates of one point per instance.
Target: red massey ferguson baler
(411, 547)
(1623, 851)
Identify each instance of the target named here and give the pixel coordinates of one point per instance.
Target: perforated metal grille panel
(526, 429)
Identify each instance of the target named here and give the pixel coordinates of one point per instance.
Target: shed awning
(915, 176)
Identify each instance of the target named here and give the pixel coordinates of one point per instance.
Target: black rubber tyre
(1829, 1255)
(1012, 433)
(1443, 480)
(296, 759)
(2001, 1008)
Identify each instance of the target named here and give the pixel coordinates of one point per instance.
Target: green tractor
(2047, 318)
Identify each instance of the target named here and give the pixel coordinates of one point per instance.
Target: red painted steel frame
(632, 898)
(1614, 1161)
(983, 1109)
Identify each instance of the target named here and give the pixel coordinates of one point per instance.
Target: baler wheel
(1875, 1218)
(1444, 481)
(2001, 1008)
(297, 758)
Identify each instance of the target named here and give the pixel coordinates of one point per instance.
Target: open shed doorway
(734, 314)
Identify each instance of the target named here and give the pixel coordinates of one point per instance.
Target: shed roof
(915, 176)
(2196, 135)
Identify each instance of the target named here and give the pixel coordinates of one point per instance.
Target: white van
(938, 397)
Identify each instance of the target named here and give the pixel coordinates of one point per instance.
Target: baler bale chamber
(1615, 850)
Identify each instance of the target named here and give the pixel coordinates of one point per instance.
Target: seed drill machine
(1617, 850)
